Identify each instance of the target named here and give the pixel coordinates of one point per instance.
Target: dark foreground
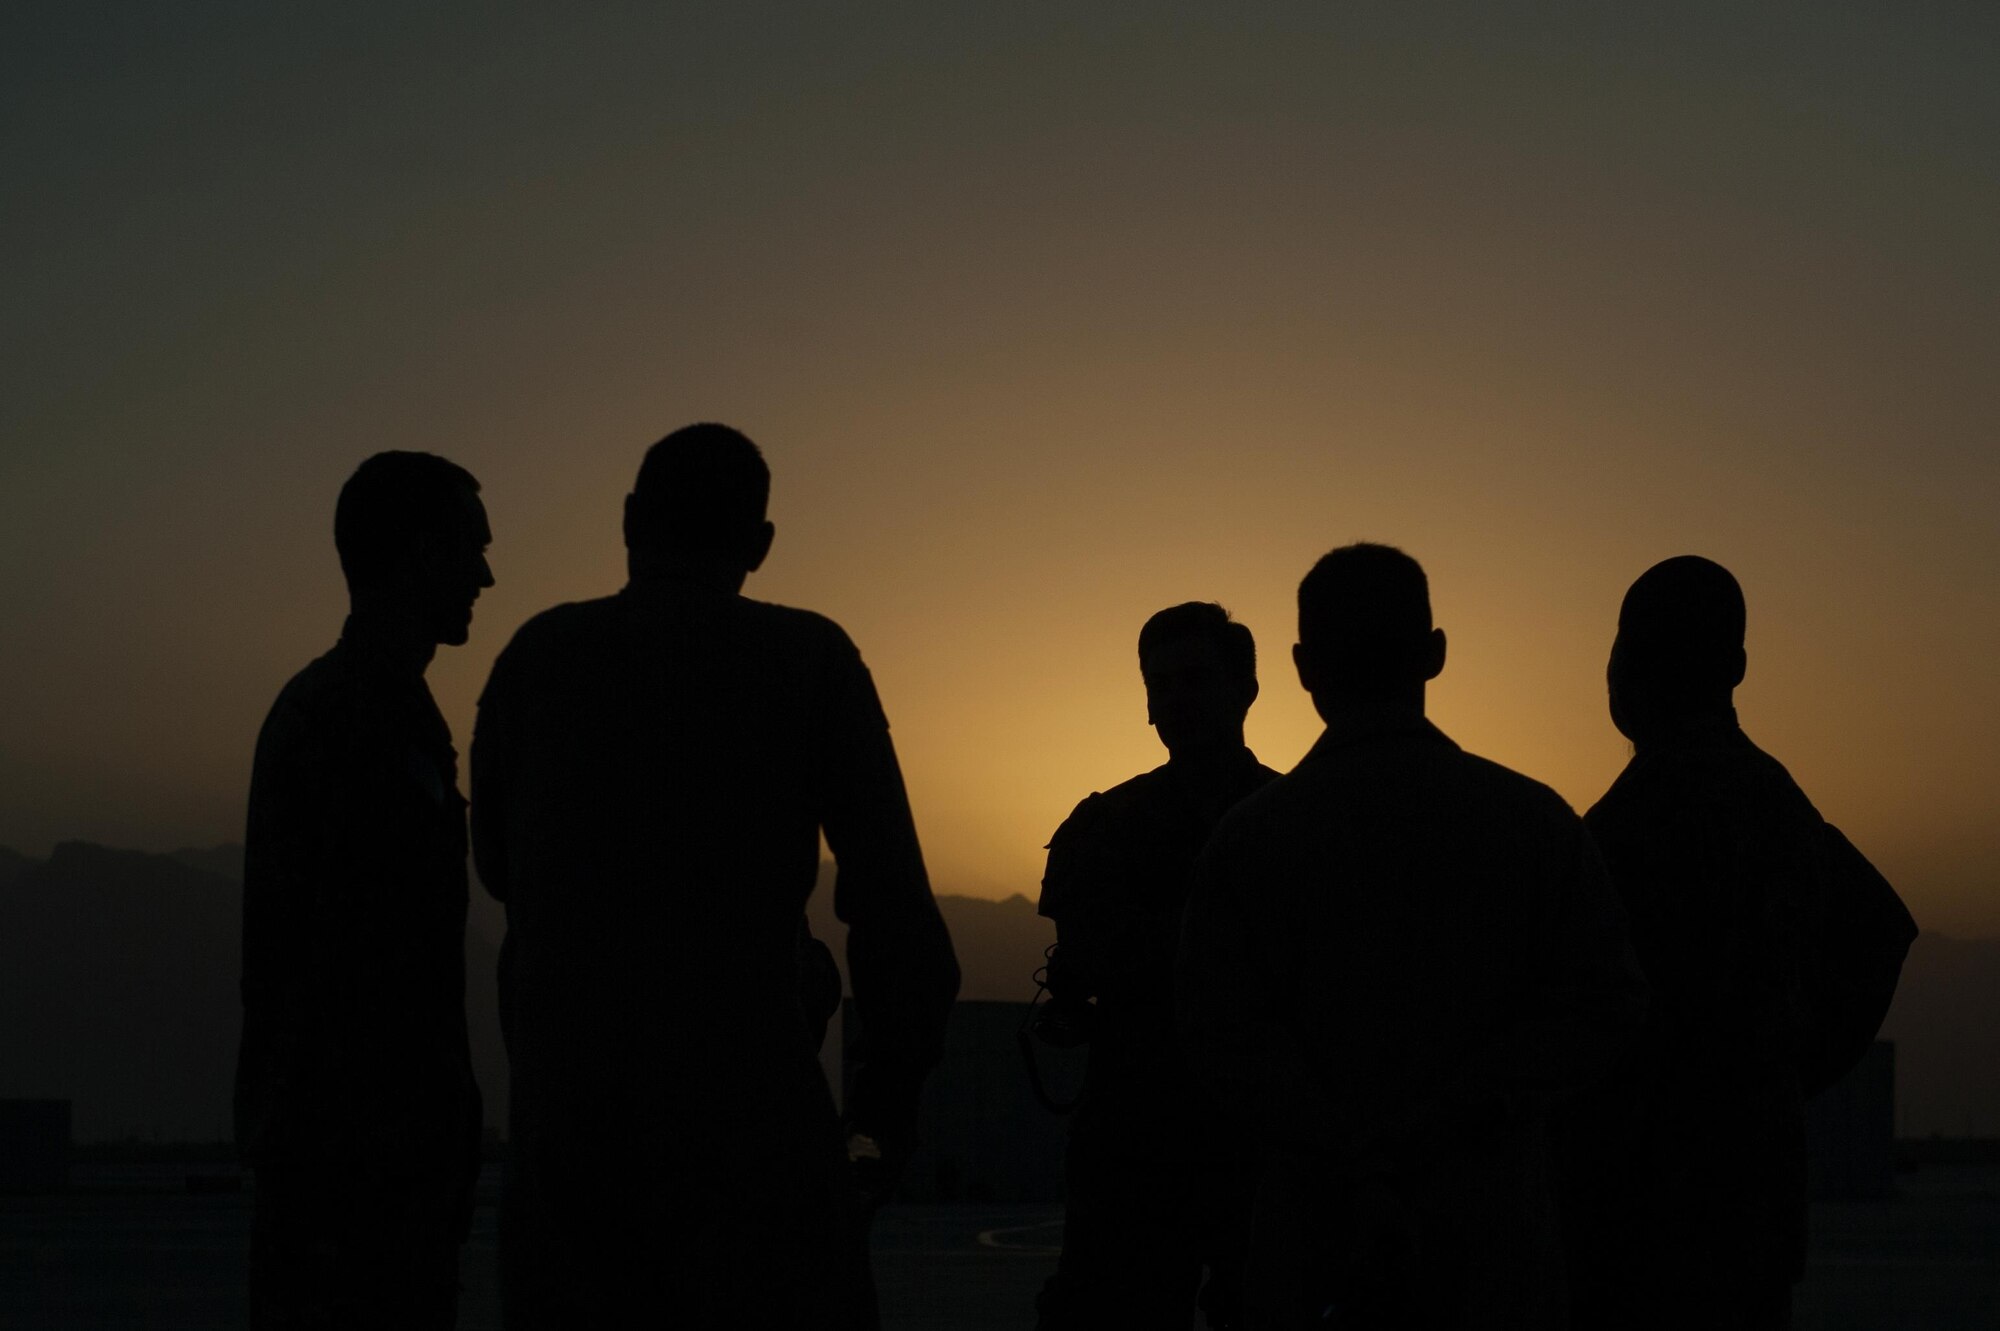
(134, 1247)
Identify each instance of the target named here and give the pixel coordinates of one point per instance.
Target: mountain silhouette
(118, 974)
(12, 864)
(999, 943)
(222, 861)
(118, 991)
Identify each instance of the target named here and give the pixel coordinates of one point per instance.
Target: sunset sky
(1046, 316)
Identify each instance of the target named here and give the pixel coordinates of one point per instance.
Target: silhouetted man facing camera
(1394, 957)
(652, 773)
(355, 1103)
(1772, 948)
(1156, 1185)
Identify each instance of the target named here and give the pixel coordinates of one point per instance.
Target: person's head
(1679, 651)
(1365, 635)
(412, 539)
(1200, 668)
(698, 506)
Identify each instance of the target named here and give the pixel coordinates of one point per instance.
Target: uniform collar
(1354, 734)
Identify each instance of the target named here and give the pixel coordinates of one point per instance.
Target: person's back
(668, 759)
(1772, 949)
(652, 774)
(1397, 955)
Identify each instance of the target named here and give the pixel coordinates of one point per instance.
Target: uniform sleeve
(899, 955)
(1857, 934)
(1076, 895)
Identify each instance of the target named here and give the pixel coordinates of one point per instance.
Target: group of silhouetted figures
(1392, 1040)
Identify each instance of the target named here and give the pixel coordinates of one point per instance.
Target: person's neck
(693, 575)
(1209, 759)
(1679, 730)
(388, 632)
(1363, 714)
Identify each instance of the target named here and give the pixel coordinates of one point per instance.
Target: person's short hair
(1204, 621)
(1684, 620)
(390, 501)
(699, 488)
(1365, 613)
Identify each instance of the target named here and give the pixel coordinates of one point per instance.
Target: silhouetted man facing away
(355, 1103)
(1772, 948)
(1394, 957)
(1156, 1185)
(652, 773)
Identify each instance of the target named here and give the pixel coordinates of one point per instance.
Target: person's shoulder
(1512, 789)
(1618, 797)
(1132, 798)
(1708, 787)
(318, 704)
(1285, 797)
(807, 628)
(1758, 771)
(326, 686)
(564, 621)
(1139, 789)
(1102, 811)
(556, 632)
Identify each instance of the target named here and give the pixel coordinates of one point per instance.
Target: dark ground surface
(131, 1246)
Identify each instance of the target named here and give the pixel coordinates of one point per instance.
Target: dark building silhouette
(34, 1146)
(1156, 1187)
(1395, 957)
(355, 1102)
(1772, 948)
(652, 773)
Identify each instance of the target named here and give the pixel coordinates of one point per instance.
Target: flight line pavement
(163, 1248)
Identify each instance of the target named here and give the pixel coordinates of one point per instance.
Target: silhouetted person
(1156, 1185)
(355, 1102)
(1395, 956)
(1772, 948)
(652, 773)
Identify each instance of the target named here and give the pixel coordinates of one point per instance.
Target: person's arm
(1858, 932)
(280, 963)
(304, 937)
(900, 961)
(1074, 896)
(819, 982)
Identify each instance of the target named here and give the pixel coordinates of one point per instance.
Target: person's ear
(1432, 660)
(1308, 670)
(759, 547)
